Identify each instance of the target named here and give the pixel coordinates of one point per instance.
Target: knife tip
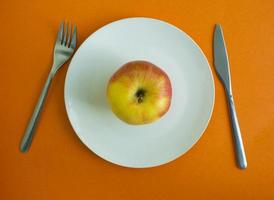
(217, 26)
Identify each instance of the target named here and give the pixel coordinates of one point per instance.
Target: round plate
(101, 55)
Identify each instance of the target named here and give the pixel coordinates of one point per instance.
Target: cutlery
(65, 45)
(222, 68)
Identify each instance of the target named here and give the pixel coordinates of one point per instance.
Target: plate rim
(211, 78)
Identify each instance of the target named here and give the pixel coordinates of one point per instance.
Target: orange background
(59, 166)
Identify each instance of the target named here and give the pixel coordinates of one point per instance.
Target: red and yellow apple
(139, 92)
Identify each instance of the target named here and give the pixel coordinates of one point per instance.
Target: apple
(139, 92)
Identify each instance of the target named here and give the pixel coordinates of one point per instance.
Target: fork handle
(29, 132)
(239, 147)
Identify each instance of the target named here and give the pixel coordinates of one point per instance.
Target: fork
(65, 45)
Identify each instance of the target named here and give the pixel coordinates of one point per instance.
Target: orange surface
(59, 166)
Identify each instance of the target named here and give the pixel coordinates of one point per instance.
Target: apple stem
(140, 95)
(140, 99)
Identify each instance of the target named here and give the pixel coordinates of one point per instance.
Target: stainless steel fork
(64, 47)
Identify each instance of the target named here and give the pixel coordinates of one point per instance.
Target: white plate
(101, 55)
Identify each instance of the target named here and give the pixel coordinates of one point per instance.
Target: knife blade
(220, 57)
(221, 64)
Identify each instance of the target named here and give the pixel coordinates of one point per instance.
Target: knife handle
(239, 147)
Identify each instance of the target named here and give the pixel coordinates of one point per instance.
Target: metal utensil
(222, 67)
(64, 47)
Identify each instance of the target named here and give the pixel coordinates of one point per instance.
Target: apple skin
(139, 92)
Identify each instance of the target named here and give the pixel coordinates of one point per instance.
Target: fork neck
(54, 68)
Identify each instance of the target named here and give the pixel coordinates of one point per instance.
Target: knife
(222, 68)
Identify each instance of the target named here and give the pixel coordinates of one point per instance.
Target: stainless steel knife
(222, 68)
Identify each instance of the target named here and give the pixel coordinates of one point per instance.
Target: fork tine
(74, 38)
(60, 33)
(69, 35)
(65, 34)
